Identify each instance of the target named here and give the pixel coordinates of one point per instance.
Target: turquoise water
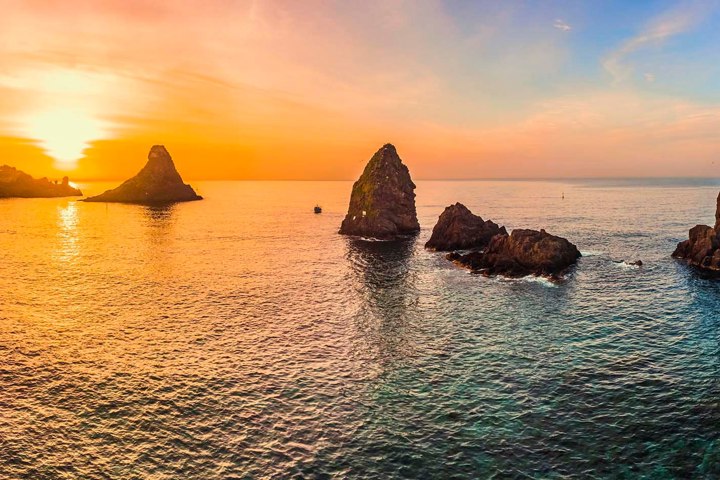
(241, 337)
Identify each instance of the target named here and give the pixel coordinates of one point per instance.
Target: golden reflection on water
(67, 222)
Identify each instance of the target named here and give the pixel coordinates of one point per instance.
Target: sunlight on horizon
(64, 134)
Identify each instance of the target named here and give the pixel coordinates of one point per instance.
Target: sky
(286, 89)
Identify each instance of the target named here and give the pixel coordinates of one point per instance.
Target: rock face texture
(382, 203)
(158, 182)
(522, 253)
(702, 248)
(14, 183)
(459, 229)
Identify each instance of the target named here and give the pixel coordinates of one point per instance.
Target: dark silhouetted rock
(158, 182)
(459, 229)
(522, 253)
(702, 248)
(14, 183)
(382, 203)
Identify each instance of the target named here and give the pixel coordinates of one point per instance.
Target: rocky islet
(157, 183)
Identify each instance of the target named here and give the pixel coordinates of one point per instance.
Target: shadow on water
(159, 215)
(380, 265)
(159, 221)
(389, 295)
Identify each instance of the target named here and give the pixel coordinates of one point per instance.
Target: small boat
(318, 209)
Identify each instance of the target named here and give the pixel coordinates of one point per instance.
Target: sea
(240, 337)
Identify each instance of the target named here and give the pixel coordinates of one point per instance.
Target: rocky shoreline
(17, 184)
(702, 248)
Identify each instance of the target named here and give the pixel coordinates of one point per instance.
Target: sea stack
(382, 203)
(702, 249)
(459, 229)
(14, 183)
(157, 183)
(522, 253)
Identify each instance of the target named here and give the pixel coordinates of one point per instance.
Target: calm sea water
(241, 337)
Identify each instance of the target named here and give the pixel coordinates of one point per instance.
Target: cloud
(276, 82)
(671, 23)
(620, 132)
(561, 25)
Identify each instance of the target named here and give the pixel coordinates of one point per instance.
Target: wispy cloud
(263, 85)
(674, 22)
(561, 25)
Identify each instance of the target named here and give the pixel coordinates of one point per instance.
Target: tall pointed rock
(157, 182)
(382, 203)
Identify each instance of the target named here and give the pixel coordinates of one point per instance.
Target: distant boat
(318, 209)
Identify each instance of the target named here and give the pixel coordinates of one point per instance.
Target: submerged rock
(702, 248)
(15, 183)
(459, 229)
(157, 182)
(522, 253)
(382, 203)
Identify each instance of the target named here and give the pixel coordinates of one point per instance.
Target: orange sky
(309, 90)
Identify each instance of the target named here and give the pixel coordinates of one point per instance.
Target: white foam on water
(370, 239)
(625, 265)
(544, 281)
(592, 253)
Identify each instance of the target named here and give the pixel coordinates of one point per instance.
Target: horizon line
(474, 179)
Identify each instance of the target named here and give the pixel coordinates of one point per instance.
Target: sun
(64, 133)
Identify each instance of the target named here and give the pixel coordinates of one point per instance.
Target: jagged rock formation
(522, 253)
(158, 182)
(458, 229)
(382, 203)
(14, 183)
(702, 248)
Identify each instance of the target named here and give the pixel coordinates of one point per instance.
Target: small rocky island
(702, 248)
(459, 229)
(522, 253)
(157, 183)
(382, 203)
(15, 183)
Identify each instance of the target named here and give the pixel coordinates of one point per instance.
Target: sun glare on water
(64, 133)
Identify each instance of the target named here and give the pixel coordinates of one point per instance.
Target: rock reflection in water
(160, 215)
(386, 319)
(159, 222)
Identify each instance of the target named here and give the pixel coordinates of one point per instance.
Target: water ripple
(241, 337)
